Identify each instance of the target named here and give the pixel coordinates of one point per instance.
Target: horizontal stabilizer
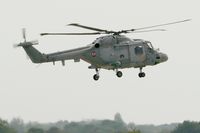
(24, 44)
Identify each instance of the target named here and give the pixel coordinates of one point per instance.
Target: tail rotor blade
(24, 34)
(25, 43)
(15, 45)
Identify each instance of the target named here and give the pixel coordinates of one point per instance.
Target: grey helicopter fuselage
(113, 51)
(118, 52)
(107, 52)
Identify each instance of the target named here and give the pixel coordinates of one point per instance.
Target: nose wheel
(141, 74)
(96, 76)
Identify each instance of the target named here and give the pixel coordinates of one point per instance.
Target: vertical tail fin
(35, 55)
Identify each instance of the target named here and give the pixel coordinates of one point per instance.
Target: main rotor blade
(140, 31)
(148, 27)
(94, 33)
(87, 27)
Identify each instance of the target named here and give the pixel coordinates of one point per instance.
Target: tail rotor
(24, 34)
(25, 43)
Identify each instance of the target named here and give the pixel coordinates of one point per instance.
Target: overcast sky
(170, 92)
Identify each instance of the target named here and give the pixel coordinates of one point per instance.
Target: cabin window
(121, 56)
(139, 50)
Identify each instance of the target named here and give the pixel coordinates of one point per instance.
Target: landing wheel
(96, 77)
(141, 74)
(119, 74)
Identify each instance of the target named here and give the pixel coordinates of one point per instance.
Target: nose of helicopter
(163, 57)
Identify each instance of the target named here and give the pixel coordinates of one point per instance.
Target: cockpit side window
(139, 50)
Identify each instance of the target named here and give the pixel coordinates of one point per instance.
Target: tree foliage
(188, 127)
(134, 131)
(35, 130)
(53, 130)
(95, 126)
(5, 128)
(118, 118)
(17, 124)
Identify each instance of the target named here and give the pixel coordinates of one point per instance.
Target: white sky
(169, 93)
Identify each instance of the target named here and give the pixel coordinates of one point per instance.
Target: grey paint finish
(107, 52)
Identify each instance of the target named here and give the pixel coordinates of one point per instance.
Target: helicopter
(113, 51)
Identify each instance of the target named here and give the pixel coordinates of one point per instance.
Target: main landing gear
(119, 73)
(96, 76)
(141, 74)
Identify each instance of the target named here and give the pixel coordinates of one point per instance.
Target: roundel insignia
(93, 53)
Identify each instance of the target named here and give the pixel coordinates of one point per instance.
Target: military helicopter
(113, 51)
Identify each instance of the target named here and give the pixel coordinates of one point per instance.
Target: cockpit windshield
(150, 45)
